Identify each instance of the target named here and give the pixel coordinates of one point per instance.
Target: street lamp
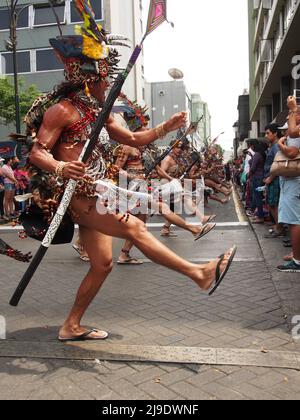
(236, 138)
(176, 74)
(11, 45)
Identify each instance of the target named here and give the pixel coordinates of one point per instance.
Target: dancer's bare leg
(195, 209)
(214, 197)
(99, 249)
(218, 187)
(124, 256)
(166, 230)
(136, 231)
(80, 248)
(178, 221)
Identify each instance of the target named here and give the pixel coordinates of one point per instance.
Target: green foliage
(7, 103)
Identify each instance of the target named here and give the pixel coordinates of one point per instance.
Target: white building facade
(274, 55)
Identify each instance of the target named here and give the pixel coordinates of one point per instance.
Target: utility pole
(11, 45)
(13, 37)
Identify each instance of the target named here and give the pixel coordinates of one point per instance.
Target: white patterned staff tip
(2, 328)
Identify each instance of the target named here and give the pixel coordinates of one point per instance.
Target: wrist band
(160, 131)
(59, 171)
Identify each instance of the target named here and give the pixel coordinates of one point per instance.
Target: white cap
(285, 127)
(1, 159)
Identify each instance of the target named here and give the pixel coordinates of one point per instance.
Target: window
(47, 60)
(22, 22)
(23, 59)
(43, 15)
(96, 6)
(4, 19)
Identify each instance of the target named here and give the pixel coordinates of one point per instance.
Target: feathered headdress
(135, 116)
(90, 54)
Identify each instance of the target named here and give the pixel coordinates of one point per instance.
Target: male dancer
(64, 129)
(173, 166)
(131, 159)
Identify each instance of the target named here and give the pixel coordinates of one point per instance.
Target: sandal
(129, 260)
(77, 248)
(168, 233)
(210, 219)
(85, 336)
(84, 258)
(220, 276)
(205, 231)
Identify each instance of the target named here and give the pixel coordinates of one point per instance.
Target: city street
(168, 340)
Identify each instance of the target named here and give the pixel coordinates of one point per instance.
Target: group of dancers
(61, 122)
(204, 169)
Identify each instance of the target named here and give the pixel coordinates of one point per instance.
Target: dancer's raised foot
(208, 219)
(202, 231)
(212, 274)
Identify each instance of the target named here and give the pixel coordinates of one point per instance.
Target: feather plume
(86, 12)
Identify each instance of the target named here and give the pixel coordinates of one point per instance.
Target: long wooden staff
(191, 129)
(188, 170)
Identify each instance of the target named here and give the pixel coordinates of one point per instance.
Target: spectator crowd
(14, 181)
(272, 200)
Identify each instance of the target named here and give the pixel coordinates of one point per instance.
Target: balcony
(269, 73)
(265, 7)
(270, 36)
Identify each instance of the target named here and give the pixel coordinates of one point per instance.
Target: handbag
(285, 167)
(36, 226)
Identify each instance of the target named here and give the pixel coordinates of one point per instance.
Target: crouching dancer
(60, 137)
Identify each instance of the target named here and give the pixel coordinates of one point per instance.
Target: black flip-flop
(77, 248)
(130, 261)
(220, 276)
(211, 219)
(83, 337)
(205, 232)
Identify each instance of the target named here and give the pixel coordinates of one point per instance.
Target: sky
(210, 45)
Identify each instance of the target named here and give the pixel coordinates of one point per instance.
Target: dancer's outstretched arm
(143, 138)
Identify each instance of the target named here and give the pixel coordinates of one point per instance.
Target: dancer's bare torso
(130, 158)
(69, 151)
(68, 125)
(54, 136)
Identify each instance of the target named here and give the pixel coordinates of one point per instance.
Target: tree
(7, 103)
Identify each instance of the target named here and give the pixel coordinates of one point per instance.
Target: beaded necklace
(77, 132)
